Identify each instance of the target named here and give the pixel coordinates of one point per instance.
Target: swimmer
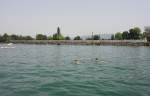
(76, 61)
(96, 59)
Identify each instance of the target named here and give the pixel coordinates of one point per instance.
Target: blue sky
(75, 17)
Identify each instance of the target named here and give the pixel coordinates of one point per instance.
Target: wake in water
(84, 60)
(7, 46)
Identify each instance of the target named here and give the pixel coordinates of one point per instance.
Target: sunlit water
(50, 70)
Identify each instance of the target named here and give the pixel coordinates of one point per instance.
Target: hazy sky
(75, 17)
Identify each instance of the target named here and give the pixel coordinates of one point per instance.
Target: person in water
(76, 61)
(96, 58)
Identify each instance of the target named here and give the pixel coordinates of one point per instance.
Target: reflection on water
(41, 70)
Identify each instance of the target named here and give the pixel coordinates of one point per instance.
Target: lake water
(50, 70)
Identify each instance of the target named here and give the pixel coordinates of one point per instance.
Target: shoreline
(85, 42)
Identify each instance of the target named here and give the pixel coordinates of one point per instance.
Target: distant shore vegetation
(132, 34)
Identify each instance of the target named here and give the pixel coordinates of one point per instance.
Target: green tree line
(6, 38)
(133, 34)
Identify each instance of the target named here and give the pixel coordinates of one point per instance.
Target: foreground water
(50, 70)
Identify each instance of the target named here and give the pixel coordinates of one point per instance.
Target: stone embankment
(84, 42)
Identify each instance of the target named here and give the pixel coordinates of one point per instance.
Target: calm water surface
(49, 70)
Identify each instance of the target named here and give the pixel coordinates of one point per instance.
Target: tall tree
(135, 33)
(1, 38)
(6, 37)
(131, 33)
(118, 36)
(125, 35)
(58, 30)
(96, 37)
(112, 37)
(58, 33)
(146, 33)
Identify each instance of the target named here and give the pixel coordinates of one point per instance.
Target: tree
(57, 36)
(146, 33)
(118, 36)
(96, 37)
(14, 37)
(67, 38)
(125, 35)
(41, 37)
(137, 29)
(131, 34)
(28, 38)
(1, 38)
(58, 31)
(112, 37)
(135, 33)
(20, 37)
(77, 38)
(50, 38)
(5, 38)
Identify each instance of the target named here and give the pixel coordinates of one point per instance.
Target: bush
(41, 37)
(77, 38)
(147, 43)
(67, 38)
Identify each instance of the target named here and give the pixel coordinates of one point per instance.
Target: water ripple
(43, 70)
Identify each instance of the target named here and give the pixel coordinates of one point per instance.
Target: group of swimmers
(77, 61)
